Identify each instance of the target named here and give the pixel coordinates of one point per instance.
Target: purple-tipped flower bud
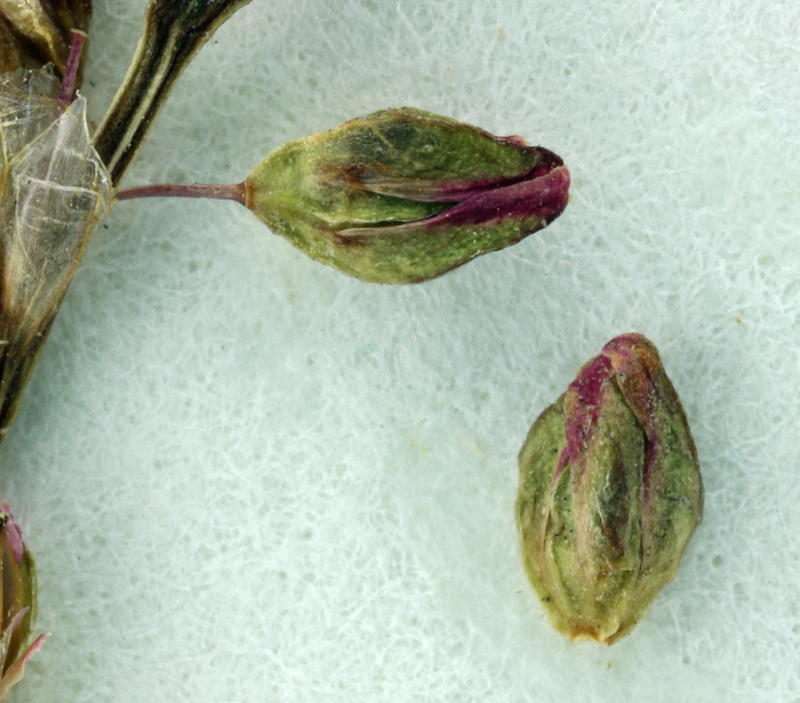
(403, 195)
(609, 493)
(18, 598)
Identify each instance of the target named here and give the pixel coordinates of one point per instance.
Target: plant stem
(174, 31)
(68, 85)
(236, 191)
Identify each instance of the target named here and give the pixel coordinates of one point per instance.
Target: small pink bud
(18, 595)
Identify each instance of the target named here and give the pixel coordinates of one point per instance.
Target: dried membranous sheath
(54, 193)
(399, 196)
(18, 599)
(402, 195)
(609, 493)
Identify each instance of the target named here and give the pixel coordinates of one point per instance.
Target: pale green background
(249, 478)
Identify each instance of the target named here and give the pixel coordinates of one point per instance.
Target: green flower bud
(18, 597)
(403, 195)
(609, 493)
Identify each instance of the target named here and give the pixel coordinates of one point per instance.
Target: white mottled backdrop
(247, 477)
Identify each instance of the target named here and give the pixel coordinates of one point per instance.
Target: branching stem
(174, 31)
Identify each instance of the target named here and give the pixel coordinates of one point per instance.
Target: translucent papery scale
(28, 106)
(61, 192)
(54, 193)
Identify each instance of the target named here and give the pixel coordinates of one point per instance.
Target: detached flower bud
(403, 195)
(18, 596)
(609, 493)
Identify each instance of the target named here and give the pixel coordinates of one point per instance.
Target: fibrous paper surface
(247, 477)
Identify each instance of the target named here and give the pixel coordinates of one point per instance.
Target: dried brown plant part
(11, 54)
(45, 27)
(30, 19)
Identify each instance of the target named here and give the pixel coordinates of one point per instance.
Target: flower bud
(403, 195)
(18, 596)
(609, 493)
